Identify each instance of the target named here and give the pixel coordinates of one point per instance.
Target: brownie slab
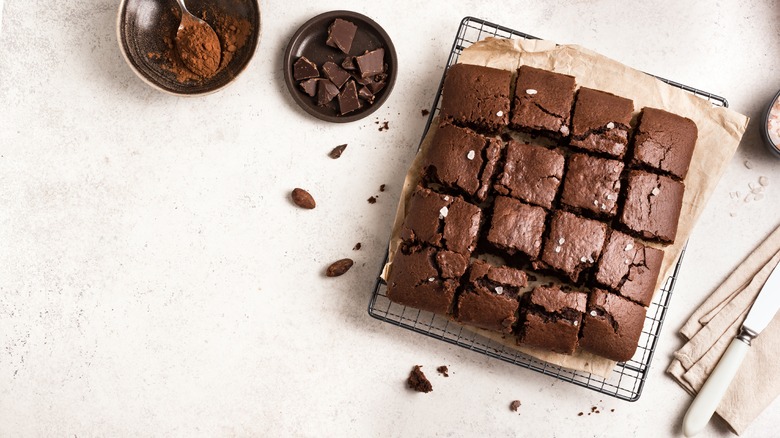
(592, 184)
(612, 326)
(652, 206)
(542, 102)
(516, 227)
(601, 122)
(629, 268)
(665, 142)
(551, 319)
(531, 173)
(489, 298)
(443, 221)
(425, 278)
(477, 97)
(462, 160)
(573, 244)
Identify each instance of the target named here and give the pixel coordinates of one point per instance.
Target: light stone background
(155, 279)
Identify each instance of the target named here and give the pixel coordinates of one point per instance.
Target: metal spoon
(198, 44)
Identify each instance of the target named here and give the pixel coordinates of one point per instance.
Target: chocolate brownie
(651, 208)
(531, 173)
(476, 96)
(516, 227)
(612, 326)
(425, 278)
(601, 122)
(629, 268)
(573, 244)
(542, 101)
(489, 298)
(592, 185)
(462, 160)
(443, 221)
(551, 319)
(665, 142)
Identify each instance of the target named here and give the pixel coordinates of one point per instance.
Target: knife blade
(761, 313)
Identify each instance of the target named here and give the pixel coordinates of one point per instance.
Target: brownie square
(652, 206)
(629, 268)
(542, 101)
(573, 244)
(516, 227)
(551, 319)
(592, 185)
(462, 160)
(489, 299)
(443, 221)
(425, 278)
(477, 97)
(531, 173)
(601, 122)
(665, 142)
(612, 326)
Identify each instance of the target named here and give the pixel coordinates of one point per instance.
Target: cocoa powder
(199, 48)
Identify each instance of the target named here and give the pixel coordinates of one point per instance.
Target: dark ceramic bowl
(146, 28)
(773, 147)
(309, 41)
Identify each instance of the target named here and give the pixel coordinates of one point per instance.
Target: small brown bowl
(146, 28)
(309, 41)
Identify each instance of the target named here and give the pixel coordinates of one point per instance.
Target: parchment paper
(720, 131)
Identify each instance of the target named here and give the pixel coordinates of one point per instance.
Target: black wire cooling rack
(627, 378)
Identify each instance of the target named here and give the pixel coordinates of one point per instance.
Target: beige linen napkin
(712, 327)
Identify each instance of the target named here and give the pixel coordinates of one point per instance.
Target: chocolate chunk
(326, 91)
(371, 63)
(309, 86)
(348, 99)
(336, 74)
(366, 95)
(348, 63)
(303, 199)
(305, 69)
(340, 35)
(339, 267)
(337, 151)
(418, 382)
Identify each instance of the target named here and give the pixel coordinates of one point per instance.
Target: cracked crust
(665, 142)
(516, 227)
(651, 208)
(601, 122)
(531, 173)
(629, 268)
(477, 97)
(592, 184)
(573, 244)
(612, 326)
(480, 304)
(551, 319)
(542, 101)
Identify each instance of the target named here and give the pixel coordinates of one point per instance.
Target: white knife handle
(714, 388)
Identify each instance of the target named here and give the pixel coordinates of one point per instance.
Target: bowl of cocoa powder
(147, 29)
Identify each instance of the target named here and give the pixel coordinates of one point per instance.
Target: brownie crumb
(443, 370)
(593, 409)
(611, 410)
(515, 405)
(424, 112)
(372, 200)
(417, 381)
(384, 126)
(580, 414)
(357, 247)
(382, 188)
(337, 151)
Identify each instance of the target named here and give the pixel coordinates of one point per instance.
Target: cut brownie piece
(489, 299)
(551, 319)
(340, 35)
(573, 244)
(665, 142)
(543, 101)
(443, 221)
(462, 160)
(516, 227)
(629, 268)
(476, 96)
(601, 122)
(612, 326)
(531, 173)
(652, 206)
(425, 278)
(592, 184)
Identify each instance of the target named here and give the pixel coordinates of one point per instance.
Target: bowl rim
(774, 148)
(122, 49)
(305, 102)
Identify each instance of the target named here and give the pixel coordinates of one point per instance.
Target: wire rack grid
(627, 378)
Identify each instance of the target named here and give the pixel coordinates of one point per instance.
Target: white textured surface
(155, 279)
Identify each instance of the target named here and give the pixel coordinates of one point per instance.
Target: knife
(761, 313)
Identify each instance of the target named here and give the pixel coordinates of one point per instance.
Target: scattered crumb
(443, 370)
(593, 409)
(385, 126)
(417, 380)
(424, 112)
(372, 200)
(611, 410)
(580, 414)
(337, 151)
(382, 188)
(357, 247)
(515, 405)
(748, 164)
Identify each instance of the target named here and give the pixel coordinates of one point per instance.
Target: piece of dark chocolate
(349, 63)
(305, 69)
(326, 91)
(348, 99)
(309, 86)
(371, 63)
(366, 94)
(336, 74)
(340, 35)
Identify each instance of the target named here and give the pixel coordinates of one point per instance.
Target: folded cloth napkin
(712, 327)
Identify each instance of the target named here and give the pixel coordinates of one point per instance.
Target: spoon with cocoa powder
(197, 44)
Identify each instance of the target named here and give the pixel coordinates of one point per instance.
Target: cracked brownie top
(542, 102)
(664, 142)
